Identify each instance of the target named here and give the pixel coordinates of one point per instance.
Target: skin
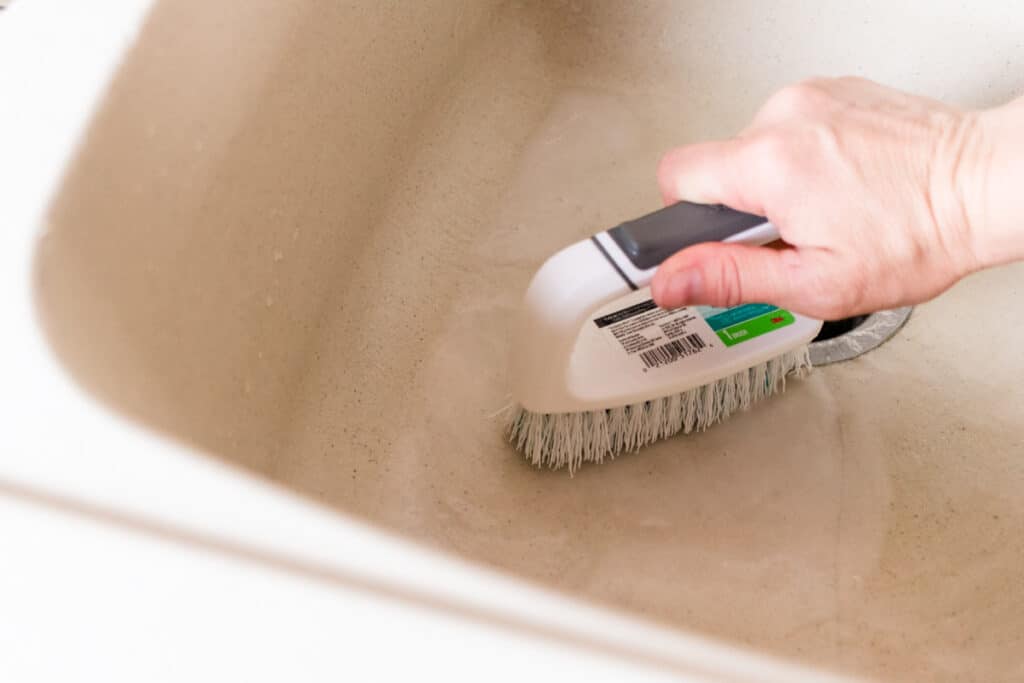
(882, 198)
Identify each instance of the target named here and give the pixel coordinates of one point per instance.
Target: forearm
(994, 192)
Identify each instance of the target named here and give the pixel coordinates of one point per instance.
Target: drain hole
(834, 343)
(836, 328)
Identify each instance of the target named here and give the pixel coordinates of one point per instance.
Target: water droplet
(278, 256)
(269, 301)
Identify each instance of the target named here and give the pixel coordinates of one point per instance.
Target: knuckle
(827, 289)
(728, 287)
(769, 148)
(825, 137)
(668, 162)
(852, 81)
(797, 98)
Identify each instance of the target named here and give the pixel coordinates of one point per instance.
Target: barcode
(673, 351)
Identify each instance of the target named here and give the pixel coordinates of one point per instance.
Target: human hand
(876, 193)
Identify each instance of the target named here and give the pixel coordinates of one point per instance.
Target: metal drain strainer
(857, 336)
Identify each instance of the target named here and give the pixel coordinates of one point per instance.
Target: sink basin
(293, 237)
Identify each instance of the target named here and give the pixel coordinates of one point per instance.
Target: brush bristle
(557, 440)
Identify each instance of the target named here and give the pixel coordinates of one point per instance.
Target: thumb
(711, 173)
(724, 275)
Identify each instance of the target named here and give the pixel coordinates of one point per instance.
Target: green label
(754, 327)
(721, 318)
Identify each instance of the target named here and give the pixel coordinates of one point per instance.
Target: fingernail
(685, 287)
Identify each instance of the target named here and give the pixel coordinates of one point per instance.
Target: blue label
(722, 318)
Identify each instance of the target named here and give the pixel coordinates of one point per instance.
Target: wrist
(990, 183)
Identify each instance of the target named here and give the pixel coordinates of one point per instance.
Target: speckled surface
(295, 237)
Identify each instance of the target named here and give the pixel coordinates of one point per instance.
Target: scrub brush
(598, 369)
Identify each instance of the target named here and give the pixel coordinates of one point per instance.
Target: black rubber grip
(651, 239)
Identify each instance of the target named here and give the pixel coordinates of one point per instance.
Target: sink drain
(848, 338)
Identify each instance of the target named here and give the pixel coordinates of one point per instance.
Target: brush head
(557, 440)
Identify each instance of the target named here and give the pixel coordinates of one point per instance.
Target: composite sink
(293, 237)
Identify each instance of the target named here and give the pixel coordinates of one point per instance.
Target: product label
(657, 338)
(743, 323)
(654, 336)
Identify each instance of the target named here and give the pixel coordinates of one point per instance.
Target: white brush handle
(635, 249)
(578, 280)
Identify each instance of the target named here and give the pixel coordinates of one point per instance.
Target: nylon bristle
(571, 439)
